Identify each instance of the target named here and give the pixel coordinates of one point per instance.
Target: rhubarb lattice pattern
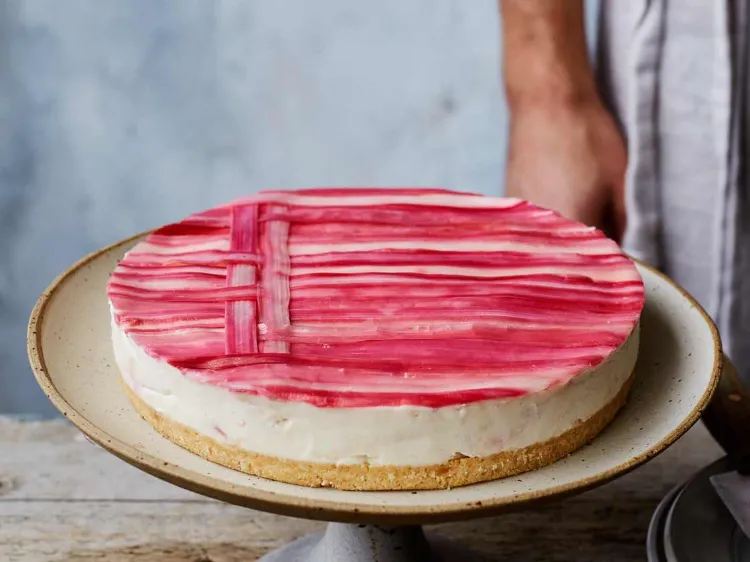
(353, 298)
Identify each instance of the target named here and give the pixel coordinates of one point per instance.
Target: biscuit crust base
(451, 474)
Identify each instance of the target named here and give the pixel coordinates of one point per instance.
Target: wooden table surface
(63, 499)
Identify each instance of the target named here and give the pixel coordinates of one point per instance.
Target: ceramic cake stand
(69, 348)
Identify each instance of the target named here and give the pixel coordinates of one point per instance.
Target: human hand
(570, 158)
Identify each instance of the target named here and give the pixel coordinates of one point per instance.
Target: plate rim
(331, 510)
(655, 532)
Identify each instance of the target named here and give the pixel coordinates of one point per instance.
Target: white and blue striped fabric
(676, 74)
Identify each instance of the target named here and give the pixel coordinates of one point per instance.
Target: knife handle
(727, 417)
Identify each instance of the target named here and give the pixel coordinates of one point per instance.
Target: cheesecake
(377, 339)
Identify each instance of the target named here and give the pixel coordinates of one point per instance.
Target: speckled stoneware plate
(69, 347)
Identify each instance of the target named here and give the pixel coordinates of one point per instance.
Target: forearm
(545, 54)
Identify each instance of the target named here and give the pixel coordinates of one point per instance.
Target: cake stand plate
(69, 347)
(699, 526)
(692, 524)
(655, 548)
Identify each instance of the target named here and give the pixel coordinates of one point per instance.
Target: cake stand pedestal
(344, 542)
(678, 368)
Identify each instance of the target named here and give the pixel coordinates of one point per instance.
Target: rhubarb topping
(378, 297)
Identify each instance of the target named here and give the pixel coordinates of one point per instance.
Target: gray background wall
(122, 115)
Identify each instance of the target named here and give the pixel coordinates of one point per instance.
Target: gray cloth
(675, 74)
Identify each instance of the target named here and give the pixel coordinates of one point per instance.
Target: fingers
(619, 214)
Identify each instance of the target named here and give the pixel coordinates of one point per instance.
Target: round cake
(377, 339)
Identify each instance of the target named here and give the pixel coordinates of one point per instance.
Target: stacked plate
(692, 524)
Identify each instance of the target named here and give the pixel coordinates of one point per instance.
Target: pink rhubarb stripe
(274, 308)
(242, 315)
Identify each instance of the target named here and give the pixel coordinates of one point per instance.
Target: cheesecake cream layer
(376, 436)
